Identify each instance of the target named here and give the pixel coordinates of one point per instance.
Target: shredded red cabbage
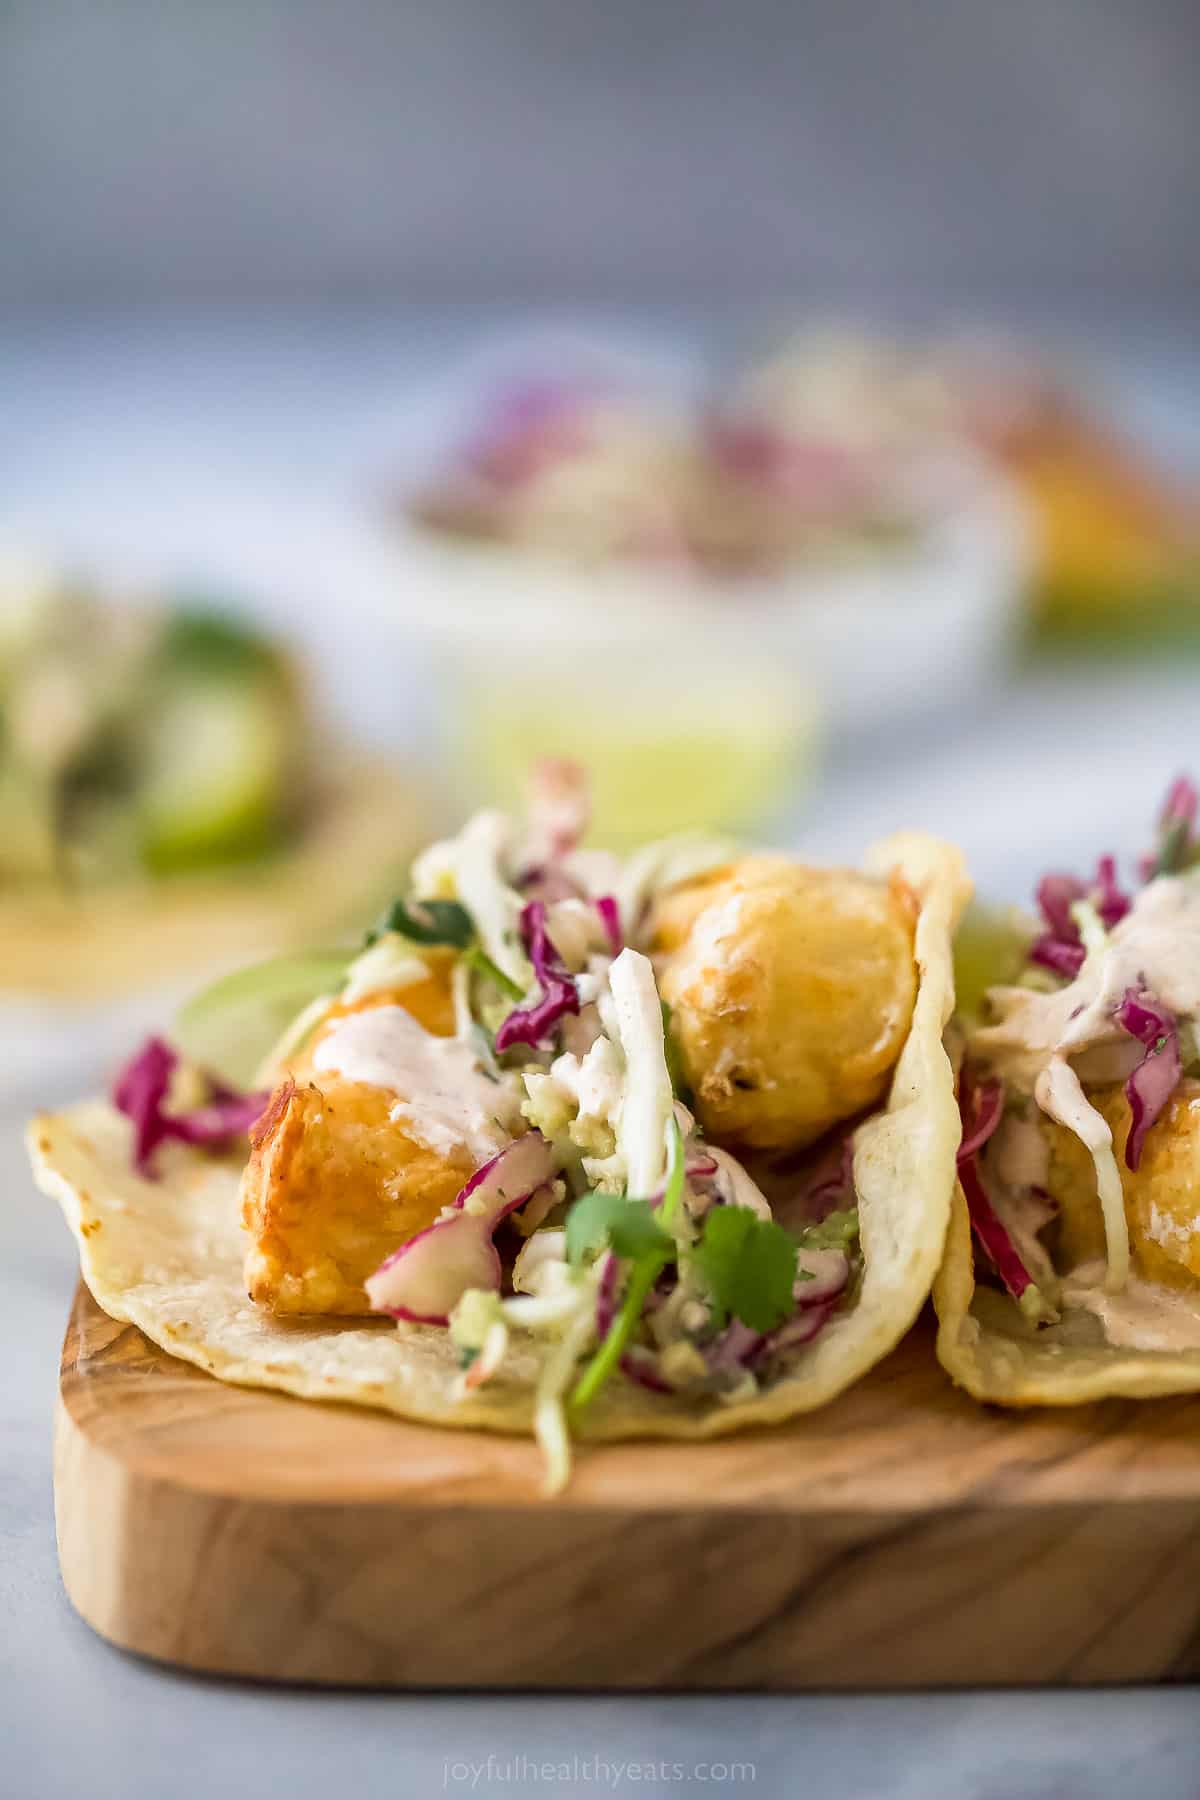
(425, 1278)
(542, 881)
(832, 1180)
(140, 1092)
(641, 1365)
(993, 1235)
(1149, 1089)
(533, 1024)
(606, 1297)
(225, 1117)
(1060, 946)
(1110, 900)
(532, 425)
(1177, 844)
(559, 805)
(807, 1324)
(610, 918)
(982, 1107)
(734, 1346)
(1061, 959)
(638, 1363)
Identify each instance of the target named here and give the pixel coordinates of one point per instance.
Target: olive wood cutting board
(902, 1537)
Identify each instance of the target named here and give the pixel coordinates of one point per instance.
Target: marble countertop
(1046, 770)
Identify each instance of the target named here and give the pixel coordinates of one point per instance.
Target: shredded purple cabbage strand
(1151, 1085)
(140, 1092)
(1177, 843)
(1060, 946)
(981, 1105)
(610, 918)
(533, 1024)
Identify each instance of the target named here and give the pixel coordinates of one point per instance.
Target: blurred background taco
(170, 802)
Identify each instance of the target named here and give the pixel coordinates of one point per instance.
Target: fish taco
(577, 1146)
(1072, 1267)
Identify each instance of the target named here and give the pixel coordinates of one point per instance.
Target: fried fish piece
(332, 1186)
(1162, 1195)
(791, 992)
(333, 1183)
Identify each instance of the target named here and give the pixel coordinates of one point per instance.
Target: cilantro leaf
(634, 1232)
(749, 1266)
(628, 1227)
(836, 1231)
(427, 922)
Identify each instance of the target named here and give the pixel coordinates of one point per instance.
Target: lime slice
(697, 759)
(231, 1026)
(218, 756)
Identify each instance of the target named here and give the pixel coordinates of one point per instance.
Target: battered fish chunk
(791, 992)
(1162, 1196)
(333, 1184)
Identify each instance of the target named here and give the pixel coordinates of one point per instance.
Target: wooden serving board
(903, 1537)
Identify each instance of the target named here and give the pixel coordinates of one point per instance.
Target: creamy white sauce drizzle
(1038, 1037)
(1144, 1316)
(444, 1099)
(1059, 1094)
(1156, 946)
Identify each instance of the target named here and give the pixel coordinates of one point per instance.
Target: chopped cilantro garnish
(427, 922)
(627, 1227)
(627, 1222)
(749, 1265)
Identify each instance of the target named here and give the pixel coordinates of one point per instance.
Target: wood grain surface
(903, 1537)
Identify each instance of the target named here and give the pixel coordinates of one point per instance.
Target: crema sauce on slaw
(1041, 1042)
(444, 1098)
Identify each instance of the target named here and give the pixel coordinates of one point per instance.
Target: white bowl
(695, 701)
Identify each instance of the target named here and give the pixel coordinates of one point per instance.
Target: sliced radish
(425, 1278)
(641, 1365)
(800, 1330)
(820, 1275)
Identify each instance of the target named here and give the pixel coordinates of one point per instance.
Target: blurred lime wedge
(232, 1025)
(218, 755)
(663, 755)
(990, 950)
